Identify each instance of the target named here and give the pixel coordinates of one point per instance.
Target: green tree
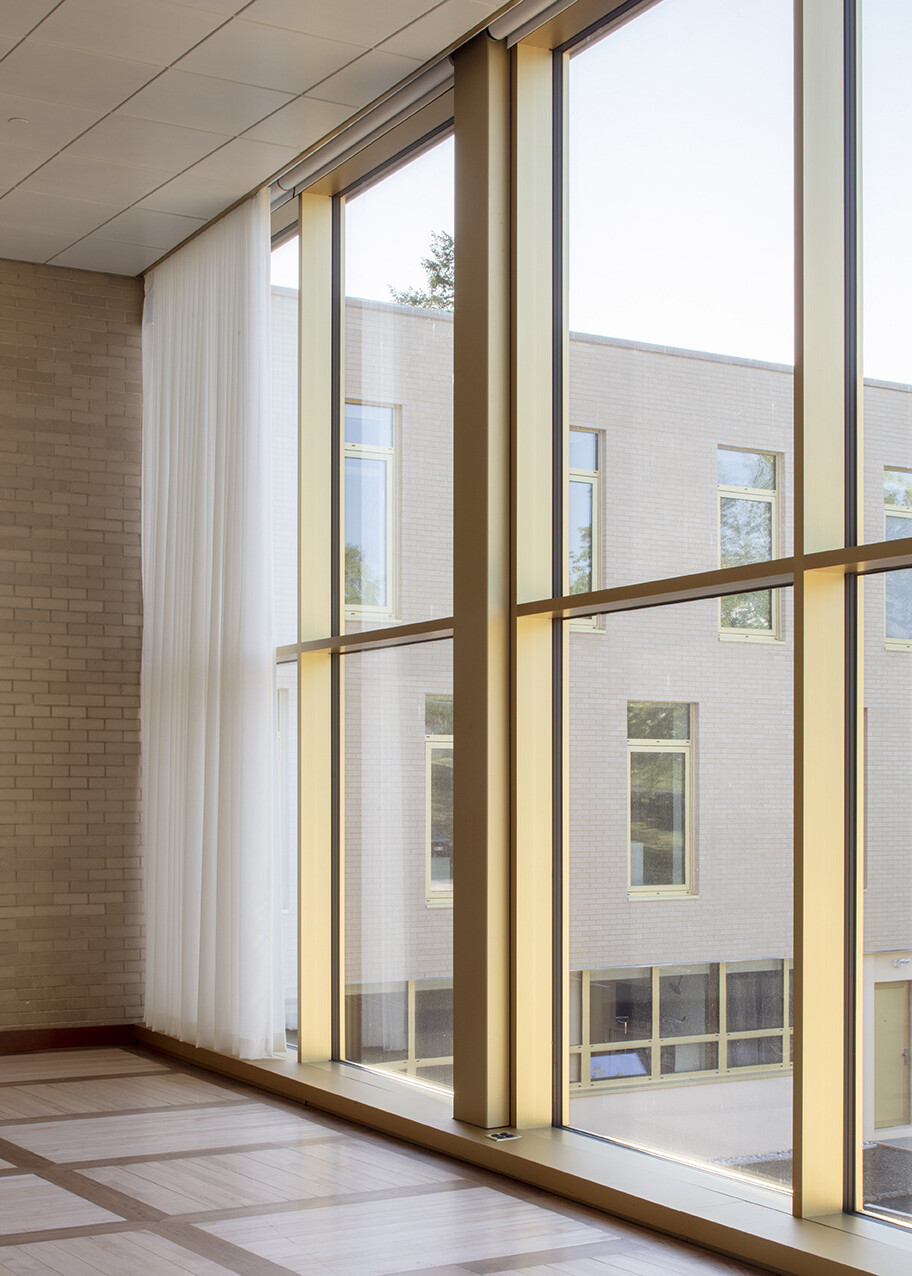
(362, 585)
(438, 267)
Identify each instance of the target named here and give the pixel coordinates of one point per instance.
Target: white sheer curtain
(208, 644)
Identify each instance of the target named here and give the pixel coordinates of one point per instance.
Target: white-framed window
(748, 487)
(584, 536)
(438, 775)
(370, 510)
(898, 585)
(583, 512)
(660, 798)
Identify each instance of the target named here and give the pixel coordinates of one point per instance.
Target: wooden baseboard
(19, 1040)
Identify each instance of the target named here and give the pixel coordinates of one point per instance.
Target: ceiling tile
(50, 124)
(22, 244)
(337, 21)
(17, 17)
(31, 210)
(151, 229)
(224, 7)
(96, 253)
(251, 53)
(444, 25)
(7, 42)
(245, 163)
(84, 178)
(148, 30)
(198, 101)
(52, 73)
(300, 123)
(121, 139)
(371, 75)
(191, 196)
(17, 162)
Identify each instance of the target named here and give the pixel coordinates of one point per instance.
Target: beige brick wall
(70, 635)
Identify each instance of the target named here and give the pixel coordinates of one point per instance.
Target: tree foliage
(438, 268)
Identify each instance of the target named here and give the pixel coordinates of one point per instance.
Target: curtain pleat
(213, 969)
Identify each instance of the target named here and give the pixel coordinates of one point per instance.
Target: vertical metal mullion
(538, 1030)
(560, 652)
(336, 741)
(316, 801)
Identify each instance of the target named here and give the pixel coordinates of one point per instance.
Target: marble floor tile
(337, 1168)
(46, 1065)
(120, 1254)
(378, 1238)
(108, 1094)
(156, 1133)
(29, 1204)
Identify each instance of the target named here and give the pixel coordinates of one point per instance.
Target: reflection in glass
(680, 888)
(397, 855)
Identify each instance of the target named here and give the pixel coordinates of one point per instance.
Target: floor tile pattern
(116, 1162)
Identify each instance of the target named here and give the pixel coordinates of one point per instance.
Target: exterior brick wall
(70, 643)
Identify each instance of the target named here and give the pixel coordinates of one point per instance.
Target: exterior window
(649, 1025)
(438, 726)
(748, 533)
(898, 585)
(369, 508)
(660, 817)
(583, 512)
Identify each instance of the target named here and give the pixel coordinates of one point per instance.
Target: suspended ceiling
(127, 124)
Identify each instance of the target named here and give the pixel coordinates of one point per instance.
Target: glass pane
(689, 1001)
(680, 281)
(366, 531)
(399, 394)
(747, 611)
(660, 932)
(695, 1056)
(284, 315)
(434, 1022)
(620, 1006)
(620, 1065)
(441, 816)
(376, 1025)
(657, 720)
(368, 425)
(746, 469)
(886, 174)
(898, 604)
(887, 900)
(580, 532)
(745, 531)
(397, 960)
(753, 995)
(898, 488)
(583, 450)
(754, 1052)
(657, 821)
(285, 833)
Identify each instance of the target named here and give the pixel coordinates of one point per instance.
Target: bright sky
(681, 172)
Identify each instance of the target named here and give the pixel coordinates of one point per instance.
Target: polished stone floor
(117, 1162)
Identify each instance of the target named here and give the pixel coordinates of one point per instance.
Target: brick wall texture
(70, 642)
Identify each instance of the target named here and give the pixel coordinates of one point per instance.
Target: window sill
(732, 1216)
(652, 896)
(740, 635)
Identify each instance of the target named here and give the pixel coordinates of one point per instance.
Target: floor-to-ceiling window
(660, 949)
